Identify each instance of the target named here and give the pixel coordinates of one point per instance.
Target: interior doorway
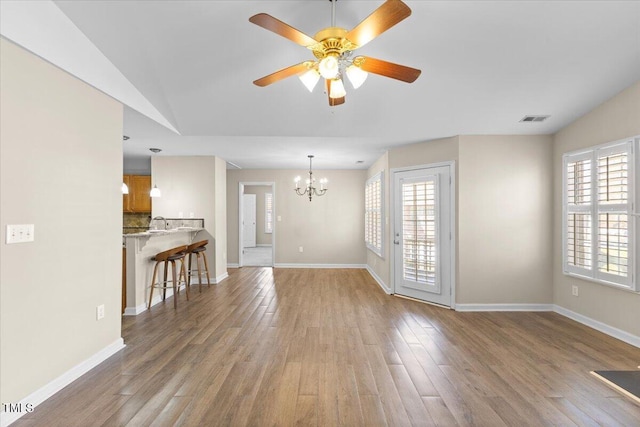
(256, 224)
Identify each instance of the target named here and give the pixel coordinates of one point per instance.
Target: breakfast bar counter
(140, 249)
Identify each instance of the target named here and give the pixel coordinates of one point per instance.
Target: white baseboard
(233, 265)
(587, 321)
(220, 278)
(504, 307)
(380, 282)
(599, 326)
(295, 265)
(134, 311)
(48, 390)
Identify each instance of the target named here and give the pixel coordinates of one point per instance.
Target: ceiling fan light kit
(333, 48)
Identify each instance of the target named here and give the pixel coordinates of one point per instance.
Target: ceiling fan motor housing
(333, 41)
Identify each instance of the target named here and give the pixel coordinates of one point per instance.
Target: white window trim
(266, 214)
(592, 153)
(376, 250)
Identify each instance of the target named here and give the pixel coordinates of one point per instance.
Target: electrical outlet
(300, 249)
(100, 312)
(574, 290)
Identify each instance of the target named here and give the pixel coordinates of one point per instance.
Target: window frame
(370, 212)
(268, 211)
(595, 208)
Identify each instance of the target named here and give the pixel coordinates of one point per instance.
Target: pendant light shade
(125, 188)
(155, 192)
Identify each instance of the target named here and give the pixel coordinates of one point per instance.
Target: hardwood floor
(328, 347)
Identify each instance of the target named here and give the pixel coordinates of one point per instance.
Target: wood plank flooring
(327, 347)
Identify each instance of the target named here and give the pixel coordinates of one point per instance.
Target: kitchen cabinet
(138, 199)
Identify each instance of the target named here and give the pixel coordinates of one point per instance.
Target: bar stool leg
(153, 282)
(189, 271)
(166, 280)
(174, 283)
(183, 274)
(206, 268)
(198, 261)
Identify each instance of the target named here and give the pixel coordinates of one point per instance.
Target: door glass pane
(419, 231)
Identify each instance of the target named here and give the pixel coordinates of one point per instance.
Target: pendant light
(155, 191)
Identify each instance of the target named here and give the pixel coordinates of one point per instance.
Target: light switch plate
(20, 233)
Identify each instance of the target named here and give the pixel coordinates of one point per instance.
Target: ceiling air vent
(534, 118)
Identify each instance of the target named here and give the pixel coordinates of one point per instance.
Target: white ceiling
(485, 65)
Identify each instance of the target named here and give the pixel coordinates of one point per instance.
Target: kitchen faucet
(160, 218)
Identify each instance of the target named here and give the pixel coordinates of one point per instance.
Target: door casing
(241, 186)
(452, 213)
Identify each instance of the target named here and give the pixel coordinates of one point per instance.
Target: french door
(422, 235)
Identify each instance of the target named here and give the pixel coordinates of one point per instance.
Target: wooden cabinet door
(126, 198)
(139, 192)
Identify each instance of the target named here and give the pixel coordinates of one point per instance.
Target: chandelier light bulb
(329, 67)
(337, 89)
(310, 79)
(356, 76)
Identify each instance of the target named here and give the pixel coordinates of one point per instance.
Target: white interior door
(422, 234)
(248, 220)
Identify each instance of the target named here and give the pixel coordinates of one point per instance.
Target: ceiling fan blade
(282, 74)
(333, 101)
(287, 31)
(380, 20)
(388, 69)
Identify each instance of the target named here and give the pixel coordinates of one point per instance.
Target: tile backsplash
(135, 222)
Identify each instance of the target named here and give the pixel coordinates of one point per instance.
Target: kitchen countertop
(150, 233)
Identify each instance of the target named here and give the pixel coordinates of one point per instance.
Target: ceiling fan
(333, 48)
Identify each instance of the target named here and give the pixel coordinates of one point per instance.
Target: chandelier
(310, 189)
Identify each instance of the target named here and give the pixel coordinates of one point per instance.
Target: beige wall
(195, 184)
(424, 153)
(262, 238)
(503, 215)
(61, 169)
(330, 228)
(504, 220)
(613, 120)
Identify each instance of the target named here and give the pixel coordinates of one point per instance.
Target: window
(374, 214)
(268, 212)
(598, 226)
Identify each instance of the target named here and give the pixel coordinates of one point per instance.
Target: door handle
(396, 242)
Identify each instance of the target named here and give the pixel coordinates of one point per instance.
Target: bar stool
(199, 249)
(169, 257)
